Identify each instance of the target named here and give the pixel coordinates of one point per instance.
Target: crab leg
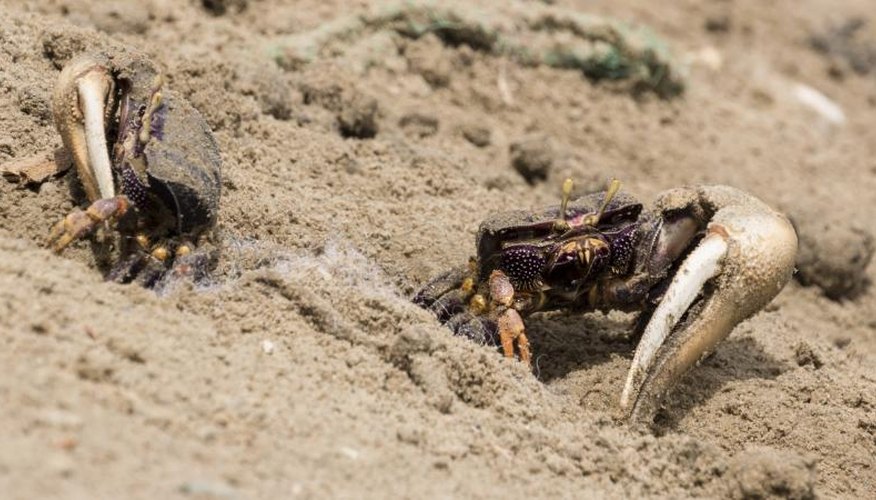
(80, 106)
(743, 262)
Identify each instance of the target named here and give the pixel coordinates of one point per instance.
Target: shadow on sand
(564, 343)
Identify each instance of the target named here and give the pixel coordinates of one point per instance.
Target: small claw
(81, 101)
(511, 330)
(501, 289)
(747, 257)
(80, 223)
(71, 228)
(508, 320)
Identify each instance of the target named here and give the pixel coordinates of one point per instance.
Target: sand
(358, 162)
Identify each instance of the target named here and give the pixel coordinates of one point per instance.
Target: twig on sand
(36, 169)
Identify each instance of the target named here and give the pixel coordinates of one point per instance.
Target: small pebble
(61, 419)
(478, 135)
(358, 117)
(804, 355)
(61, 463)
(833, 255)
(719, 23)
(267, 347)
(419, 124)
(208, 489)
(533, 157)
(350, 453)
(48, 189)
(763, 472)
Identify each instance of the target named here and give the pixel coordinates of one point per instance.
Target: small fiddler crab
(698, 263)
(160, 184)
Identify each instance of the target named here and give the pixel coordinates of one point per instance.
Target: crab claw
(79, 223)
(744, 260)
(81, 103)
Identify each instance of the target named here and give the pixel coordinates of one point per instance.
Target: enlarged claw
(81, 104)
(744, 261)
(82, 222)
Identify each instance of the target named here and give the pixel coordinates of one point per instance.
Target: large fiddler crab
(701, 261)
(160, 184)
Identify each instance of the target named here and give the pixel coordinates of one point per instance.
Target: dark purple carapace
(536, 255)
(158, 168)
(583, 261)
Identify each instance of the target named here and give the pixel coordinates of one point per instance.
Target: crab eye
(523, 263)
(141, 110)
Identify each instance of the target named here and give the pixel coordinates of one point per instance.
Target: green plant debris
(532, 35)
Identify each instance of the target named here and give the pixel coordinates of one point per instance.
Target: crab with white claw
(165, 164)
(701, 261)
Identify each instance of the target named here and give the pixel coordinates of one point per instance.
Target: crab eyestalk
(613, 188)
(82, 101)
(138, 116)
(154, 104)
(561, 223)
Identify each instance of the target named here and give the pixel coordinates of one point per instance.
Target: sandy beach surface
(359, 156)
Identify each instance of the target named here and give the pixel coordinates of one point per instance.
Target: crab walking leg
(700, 266)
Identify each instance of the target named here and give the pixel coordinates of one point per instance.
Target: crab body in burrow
(159, 181)
(699, 262)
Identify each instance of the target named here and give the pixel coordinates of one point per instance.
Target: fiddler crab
(161, 182)
(701, 261)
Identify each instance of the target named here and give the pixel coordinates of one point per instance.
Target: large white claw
(744, 261)
(81, 102)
